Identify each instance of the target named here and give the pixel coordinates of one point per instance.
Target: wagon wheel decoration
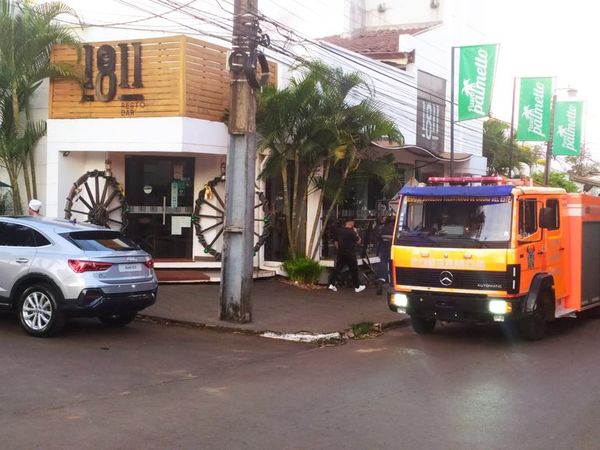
(209, 217)
(99, 199)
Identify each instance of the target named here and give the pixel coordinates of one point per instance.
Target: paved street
(155, 386)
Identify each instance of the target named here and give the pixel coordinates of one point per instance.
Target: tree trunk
(26, 177)
(286, 207)
(29, 156)
(33, 177)
(312, 245)
(16, 193)
(297, 216)
(336, 197)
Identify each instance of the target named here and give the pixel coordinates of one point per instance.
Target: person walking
(34, 207)
(345, 242)
(384, 232)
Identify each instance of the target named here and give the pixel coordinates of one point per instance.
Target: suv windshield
(101, 241)
(454, 223)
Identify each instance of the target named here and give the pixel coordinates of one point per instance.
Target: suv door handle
(22, 260)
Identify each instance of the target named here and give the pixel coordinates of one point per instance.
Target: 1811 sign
(104, 83)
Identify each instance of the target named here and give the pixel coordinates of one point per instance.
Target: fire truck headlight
(400, 300)
(497, 306)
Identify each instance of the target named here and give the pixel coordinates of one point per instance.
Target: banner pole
(512, 129)
(548, 161)
(452, 112)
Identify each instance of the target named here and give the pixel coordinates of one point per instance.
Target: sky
(536, 37)
(548, 38)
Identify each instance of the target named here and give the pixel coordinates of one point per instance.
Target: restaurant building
(142, 146)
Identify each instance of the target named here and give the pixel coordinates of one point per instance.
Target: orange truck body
(556, 267)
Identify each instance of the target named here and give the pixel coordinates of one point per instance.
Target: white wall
(107, 138)
(384, 14)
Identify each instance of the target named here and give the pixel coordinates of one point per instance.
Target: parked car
(53, 269)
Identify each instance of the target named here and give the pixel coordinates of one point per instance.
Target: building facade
(143, 146)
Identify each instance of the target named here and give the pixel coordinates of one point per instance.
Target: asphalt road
(155, 386)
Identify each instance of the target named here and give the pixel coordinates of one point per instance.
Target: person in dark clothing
(345, 242)
(384, 233)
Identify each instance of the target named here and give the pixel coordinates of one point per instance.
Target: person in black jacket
(384, 233)
(345, 242)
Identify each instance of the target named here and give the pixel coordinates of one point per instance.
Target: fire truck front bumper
(455, 307)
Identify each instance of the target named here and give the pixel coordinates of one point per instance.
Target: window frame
(556, 211)
(531, 237)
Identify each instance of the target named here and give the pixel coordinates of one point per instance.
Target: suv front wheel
(39, 313)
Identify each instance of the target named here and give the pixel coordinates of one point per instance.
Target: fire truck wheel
(533, 327)
(421, 325)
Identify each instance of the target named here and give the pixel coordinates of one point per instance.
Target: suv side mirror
(547, 218)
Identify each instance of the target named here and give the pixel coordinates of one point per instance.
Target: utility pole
(238, 236)
(512, 129)
(452, 64)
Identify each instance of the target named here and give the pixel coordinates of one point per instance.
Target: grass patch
(362, 329)
(303, 270)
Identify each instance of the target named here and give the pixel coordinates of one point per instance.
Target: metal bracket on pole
(233, 229)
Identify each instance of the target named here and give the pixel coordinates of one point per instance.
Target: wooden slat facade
(181, 76)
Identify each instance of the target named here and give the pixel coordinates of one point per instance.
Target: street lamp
(571, 92)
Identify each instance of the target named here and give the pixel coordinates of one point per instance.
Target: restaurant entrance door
(160, 194)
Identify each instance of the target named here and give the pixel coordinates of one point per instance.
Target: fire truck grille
(458, 279)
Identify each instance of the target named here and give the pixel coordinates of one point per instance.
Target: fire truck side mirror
(547, 218)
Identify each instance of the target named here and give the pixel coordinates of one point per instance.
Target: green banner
(475, 80)
(535, 102)
(568, 117)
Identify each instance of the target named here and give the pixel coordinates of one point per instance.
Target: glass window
(40, 239)
(16, 235)
(470, 223)
(527, 217)
(553, 205)
(101, 241)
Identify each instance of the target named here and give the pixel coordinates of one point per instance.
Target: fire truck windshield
(454, 223)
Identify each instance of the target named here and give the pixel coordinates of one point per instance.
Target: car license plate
(135, 267)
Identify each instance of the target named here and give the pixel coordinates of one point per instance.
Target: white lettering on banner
(476, 90)
(535, 115)
(459, 264)
(567, 134)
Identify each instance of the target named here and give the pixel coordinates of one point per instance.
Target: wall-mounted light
(434, 4)
(107, 168)
(223, 168)
(65, 154)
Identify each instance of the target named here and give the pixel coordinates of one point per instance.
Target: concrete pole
(238, 236)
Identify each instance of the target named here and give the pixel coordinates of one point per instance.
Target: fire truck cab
(487, 249)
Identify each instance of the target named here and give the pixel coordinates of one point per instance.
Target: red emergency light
(497, 180)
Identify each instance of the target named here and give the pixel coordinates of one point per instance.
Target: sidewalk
(277, 307)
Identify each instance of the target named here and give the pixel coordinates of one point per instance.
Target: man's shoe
(361, 288)
(332, 287)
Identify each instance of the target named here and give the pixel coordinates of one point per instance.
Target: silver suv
(52, 269)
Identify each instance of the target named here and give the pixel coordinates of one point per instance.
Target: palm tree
(497, 147)
(325, 120)
(28, 34)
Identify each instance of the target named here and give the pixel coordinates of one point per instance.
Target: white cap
(35, 204)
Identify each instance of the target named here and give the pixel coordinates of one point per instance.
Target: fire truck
(489, 249)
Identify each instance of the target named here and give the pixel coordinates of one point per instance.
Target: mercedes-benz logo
(446, 278)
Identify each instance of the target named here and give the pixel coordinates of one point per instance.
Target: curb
(326, 338)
